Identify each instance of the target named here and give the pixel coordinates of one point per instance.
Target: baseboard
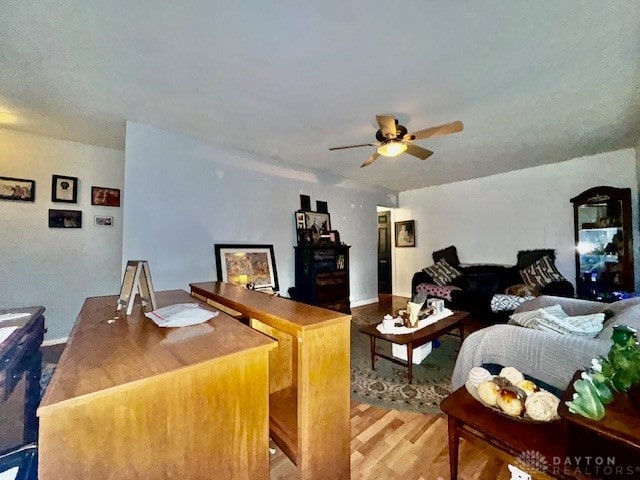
(54, 341)
(360, 303)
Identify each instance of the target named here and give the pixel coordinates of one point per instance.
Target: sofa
(475, 289)
(548, 357)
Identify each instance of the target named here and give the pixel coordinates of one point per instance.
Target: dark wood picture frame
(405, 233)
(65, 218)
(305, 237)
(105, 196)
(64, 189)
(305, 203)
(301, 222)
(244, 264)
(19, 189)
(321, 221)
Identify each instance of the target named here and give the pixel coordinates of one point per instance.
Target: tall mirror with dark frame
(604, 243)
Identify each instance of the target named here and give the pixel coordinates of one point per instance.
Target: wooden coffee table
(415, 339)
(469, 419)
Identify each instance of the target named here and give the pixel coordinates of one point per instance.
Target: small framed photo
(305, 237)
(102, 221)
(17, 189)
(64, 189)
(321, 206)
(406, 233)
(65, 218)
(106, 197)
(334, 237)
(300, 221)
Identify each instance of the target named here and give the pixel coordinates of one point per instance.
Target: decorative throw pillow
(443, 273)
(527, 257)
(449, 255)
(541, 273)
(431, 290)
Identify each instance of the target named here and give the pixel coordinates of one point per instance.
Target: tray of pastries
(511, 395)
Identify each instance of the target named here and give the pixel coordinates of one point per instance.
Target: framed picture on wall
(106, 197)
(64, 189)
(17, 189)
(103, 221)
(406, 233)
(247, 264)
(65, 218)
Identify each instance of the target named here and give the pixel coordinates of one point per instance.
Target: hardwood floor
(390, 444)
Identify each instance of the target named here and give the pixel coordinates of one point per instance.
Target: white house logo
(533, 458)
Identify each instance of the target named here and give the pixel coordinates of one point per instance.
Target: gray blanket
(550, 357)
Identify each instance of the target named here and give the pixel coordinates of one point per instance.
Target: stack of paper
(5, 332)
(181, 315)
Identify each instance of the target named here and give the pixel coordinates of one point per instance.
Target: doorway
(384, 252)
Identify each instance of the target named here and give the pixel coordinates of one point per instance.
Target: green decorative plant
(618, 371)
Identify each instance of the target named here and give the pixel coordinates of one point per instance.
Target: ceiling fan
(394, 139)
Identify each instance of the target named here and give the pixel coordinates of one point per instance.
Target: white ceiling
(533, 81)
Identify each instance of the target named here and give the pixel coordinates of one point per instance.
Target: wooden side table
(612, 444)
(510, 439)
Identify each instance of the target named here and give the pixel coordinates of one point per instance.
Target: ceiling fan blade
(387, 125)
(371, 159)
(416, 151)
(353, 146)
(444, 129)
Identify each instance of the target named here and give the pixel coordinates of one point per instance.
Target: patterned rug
(387, 385)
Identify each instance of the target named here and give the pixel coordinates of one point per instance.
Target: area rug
(387, 386)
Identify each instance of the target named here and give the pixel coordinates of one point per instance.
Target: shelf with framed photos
(321, 263)
(322, 276)
(604, 243)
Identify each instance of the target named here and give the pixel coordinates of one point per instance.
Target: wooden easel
(137, 276)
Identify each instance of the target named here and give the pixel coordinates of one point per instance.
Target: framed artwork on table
(317, 221)
(406, 233)
(107, 197)
(65, 218)
(247, 265)
(305, 237)
(305, 202)
(300, 221)
(64, 189)
(17, 189)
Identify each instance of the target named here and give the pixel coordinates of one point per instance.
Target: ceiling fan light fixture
(392, 149)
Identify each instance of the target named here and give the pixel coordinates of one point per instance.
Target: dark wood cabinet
(604, 242)
(322, 276)
(20, 369)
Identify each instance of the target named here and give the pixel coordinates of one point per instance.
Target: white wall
(491, 218)
(54, 267)
(182, 196)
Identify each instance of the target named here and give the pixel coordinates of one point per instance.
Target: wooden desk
(131, 400)
(309, 376)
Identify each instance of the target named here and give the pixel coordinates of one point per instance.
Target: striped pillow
(442, 273)
(541, 273)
